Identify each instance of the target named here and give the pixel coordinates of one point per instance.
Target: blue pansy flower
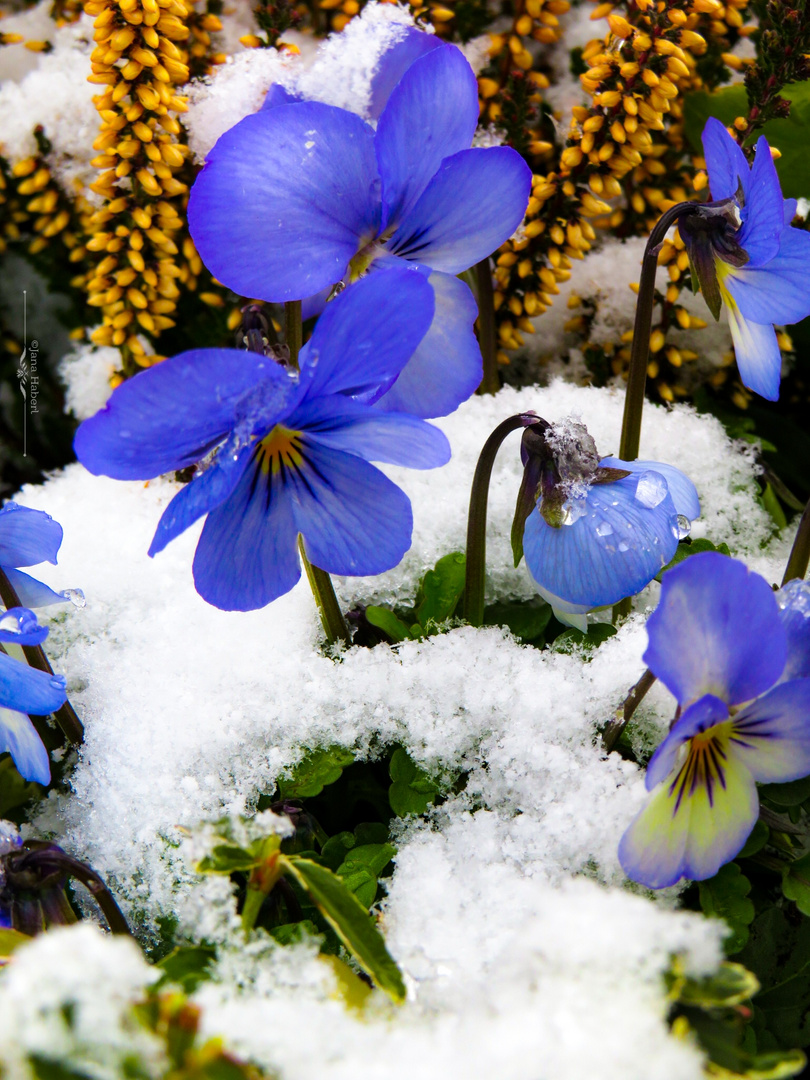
(718, 643)
(280, 455)
(25, 690)
(27, 538)
(746, 257)
(301, 196)
(794, 609)
(596, 530)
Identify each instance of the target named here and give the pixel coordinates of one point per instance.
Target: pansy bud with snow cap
(594, 531)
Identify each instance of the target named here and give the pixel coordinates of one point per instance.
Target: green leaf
(412, 790)
(527, 620)
(725, 896)
(774, 507)
(334, 850)
(384, 619)
(292, 933)
(730, 985)
(778, 952)
(226, 859)
(796, 883)
(441, 590)
(756, 841)
(691, 547)
(187, 966)
(791, 135)
(792, 793)
(362, 867)
(350, 921)
(318, 769)
(11, 940)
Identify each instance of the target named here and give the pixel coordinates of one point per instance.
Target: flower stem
(294, 335)
(477, 518)
(612, 732)
(65, 715)
(637, 378)
(324, 592)
(800, 552)
(490, 383)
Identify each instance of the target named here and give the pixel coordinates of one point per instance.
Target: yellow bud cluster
(140, 252)
(35, 208)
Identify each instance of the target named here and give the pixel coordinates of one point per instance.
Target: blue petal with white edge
(695, 720)
(725, 161)
(341, 424)
(691, 833)
(777, 292)
(395, 61)
(27, 537)
(20, 626)
(19, 738)
(716, 630)
(26, 689)
(171, 415)
(285, 200)
(367, 334)
(683, 491)
(794, 609)
(431, 114)
(765, 209)
(446, 367)
(33, 593)
(204, 493)
(354, 520)
(757, 351)
(471, 206)
(772, 734)
(247, 554)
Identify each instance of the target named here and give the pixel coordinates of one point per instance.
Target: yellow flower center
(280, 449)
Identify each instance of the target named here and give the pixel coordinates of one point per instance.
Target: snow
(86, 372)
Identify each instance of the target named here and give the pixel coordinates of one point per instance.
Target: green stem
(65, 715)
(294, 334)
(612, 733)
(477, 519)
(262, 880)
(324, 592)
(491, 382)
(800, 552)
(637, 378)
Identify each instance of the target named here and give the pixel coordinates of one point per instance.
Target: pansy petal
(698, 718)
(27, 537)
(692, 837)
(757, 351)
(26, 689)
(683, 491)
(19, 626)
(341, 424)
(204, 493)
(446, 367)
(354, 520)
(725, 161)
(19, 738)
(278, 95)
(286, 198)
(777, 292)
(716, 630)
(790, 208)
(33, 593)
(474, 202)
(765, 209)
(615, 547)
(772, 734)
(395, 62)
(794, 609)
(247, 553)
(367, 334)
(431, 113)
(170, 415)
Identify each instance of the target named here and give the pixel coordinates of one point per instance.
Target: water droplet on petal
(76, 597)
(623, 545)
(604, 529)
(651, 489)
(684, 527)
(58, 682)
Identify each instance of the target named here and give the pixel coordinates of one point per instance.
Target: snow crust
(523, 946)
